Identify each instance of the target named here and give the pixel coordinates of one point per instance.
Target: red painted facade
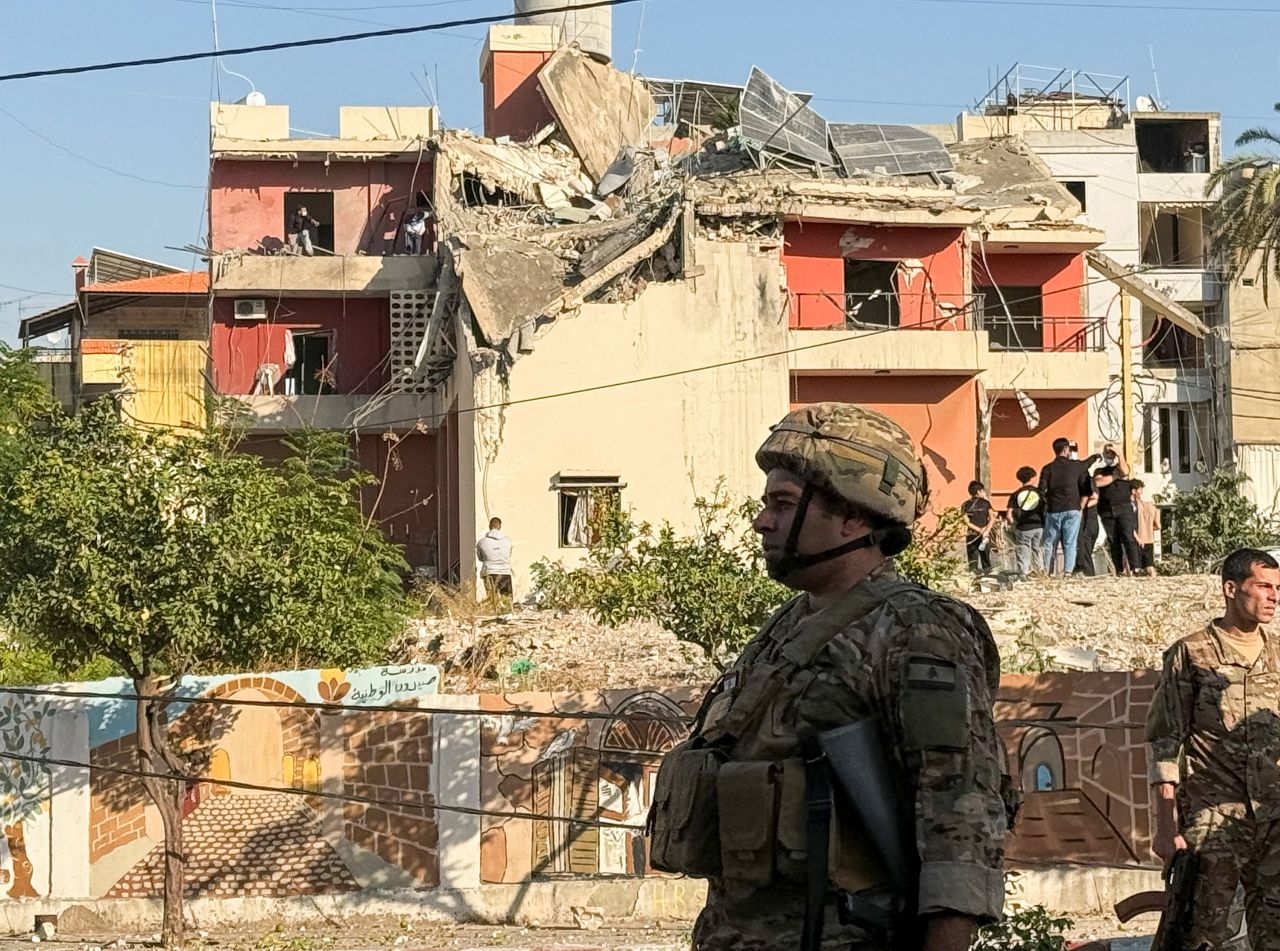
(1061, 279)
(930, 281)
(247, 201)
(360, 337)
(512, 103)
(1014, 446)
(939, 412)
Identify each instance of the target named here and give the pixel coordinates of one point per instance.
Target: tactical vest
(729, 802)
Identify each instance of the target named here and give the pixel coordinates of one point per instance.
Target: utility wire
(299, 44)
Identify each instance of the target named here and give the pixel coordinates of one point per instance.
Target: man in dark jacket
(1065, 485)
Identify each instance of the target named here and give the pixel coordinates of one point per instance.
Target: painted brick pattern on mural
(388, 758)
(117, 802)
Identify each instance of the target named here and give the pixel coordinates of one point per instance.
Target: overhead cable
(299, 44)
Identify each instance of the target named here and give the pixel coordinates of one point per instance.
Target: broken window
(871, 293)
(1174, 236)
(318, 207)
(1077, 190)
(585, 501)
(311, 373)
(1172, 145)
(1012, 316)
(1169, 346)
(476, 192)
(1148, 440)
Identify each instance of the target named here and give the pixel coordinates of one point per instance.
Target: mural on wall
(25, 841)
(1074, 743)
(261, 843)
(600, 769)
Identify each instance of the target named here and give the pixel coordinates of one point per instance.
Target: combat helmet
(857, 455)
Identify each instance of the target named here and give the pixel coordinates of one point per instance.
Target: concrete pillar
(69, 806)
(455, 781)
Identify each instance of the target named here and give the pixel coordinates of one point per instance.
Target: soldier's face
(1256, 596)
(822, 529)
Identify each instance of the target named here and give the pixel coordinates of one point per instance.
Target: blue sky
(888, 61)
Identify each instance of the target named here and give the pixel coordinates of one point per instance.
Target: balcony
(321, 276)
(278, 413)
(1186, 285)
(882, 310)
(1173, 187)
(1040, 334)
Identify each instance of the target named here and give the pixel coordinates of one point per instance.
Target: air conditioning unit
(251, 308)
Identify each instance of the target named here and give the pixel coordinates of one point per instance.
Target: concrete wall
(1014, 446)
(668, 440)
(246, 207)
(360, 339)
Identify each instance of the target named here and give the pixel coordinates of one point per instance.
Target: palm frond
(1257, 134)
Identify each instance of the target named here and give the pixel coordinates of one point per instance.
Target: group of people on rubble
(1056, 514)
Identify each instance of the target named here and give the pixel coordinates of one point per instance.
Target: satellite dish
(55, 337)
(1145, 104)
(255, 98)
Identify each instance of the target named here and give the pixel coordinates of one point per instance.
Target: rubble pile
(1104, 623)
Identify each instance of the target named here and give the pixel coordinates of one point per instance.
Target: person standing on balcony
(977, 543)
(1026, 515)
(1066, 488)
(298, 231)
(415, 226)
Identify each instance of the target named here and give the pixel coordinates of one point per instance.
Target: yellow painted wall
(165, 382)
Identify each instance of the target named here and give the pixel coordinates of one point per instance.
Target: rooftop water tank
(591, 29)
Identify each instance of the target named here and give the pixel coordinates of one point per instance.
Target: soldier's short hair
(1240, 564)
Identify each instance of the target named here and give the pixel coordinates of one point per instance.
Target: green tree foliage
(707, 588)
(1214, 519)
(1246, 218)
(1030, 929)
(168, 554)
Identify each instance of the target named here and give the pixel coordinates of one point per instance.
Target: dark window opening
(319, 209)
(1173, 237)
(585, 502)
(312, 371)
(1166, 437)
(147, 333)
(1021, 325)
(871, 293)
(421, 200)
(1077, 190)
(1148, 444)
(1170, 347)
(475, 192)
(1173, 145)
(1184, 441)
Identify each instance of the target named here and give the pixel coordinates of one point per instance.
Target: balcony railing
(888, 311)
(880, 310)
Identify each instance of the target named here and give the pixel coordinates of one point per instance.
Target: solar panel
(776, 120)
(887, 149)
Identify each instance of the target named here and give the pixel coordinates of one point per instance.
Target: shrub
(1028, 929)
(1214, 519)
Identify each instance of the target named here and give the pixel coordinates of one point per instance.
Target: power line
(88, 161)
(299, 44)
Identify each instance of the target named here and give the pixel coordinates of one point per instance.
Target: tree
(171, 554)
(1214, 519)
(1246, 218)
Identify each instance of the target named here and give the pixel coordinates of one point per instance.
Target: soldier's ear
(1229, 589)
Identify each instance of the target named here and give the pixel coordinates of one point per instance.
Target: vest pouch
(683, 828)
(853, 865)
(793, 844)
(747, 797)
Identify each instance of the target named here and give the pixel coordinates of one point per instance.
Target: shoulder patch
(931, 673)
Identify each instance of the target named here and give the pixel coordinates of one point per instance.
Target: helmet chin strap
(792, 561)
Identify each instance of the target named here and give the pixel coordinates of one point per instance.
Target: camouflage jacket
(927, 669)
(1214, 725)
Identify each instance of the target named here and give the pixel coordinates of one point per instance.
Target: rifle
(1174, 903)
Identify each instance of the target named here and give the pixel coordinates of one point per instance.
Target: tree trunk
(23, 886)
(154, 756)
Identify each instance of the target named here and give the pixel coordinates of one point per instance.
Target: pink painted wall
(246, 207)
(361, 329)
(513, 104)
(814, 256)
(1061, 279)
(1014, 446)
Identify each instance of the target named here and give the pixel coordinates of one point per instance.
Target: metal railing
(1026, 87)
(818, 310)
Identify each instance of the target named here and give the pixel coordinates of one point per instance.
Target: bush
(1028, 929)
(708, 588)
(1213, 520)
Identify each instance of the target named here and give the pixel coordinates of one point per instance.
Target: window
(871, 293)
(1172, 145)
(584, 500)
(319, 207)
(1077, 190)
(1021, 326)
(1173, 237)
(1043, 767)
(1169, 346)
(1184, 441)
(1148, 444)
(1166, 437)
(312, 370)
(147, 333)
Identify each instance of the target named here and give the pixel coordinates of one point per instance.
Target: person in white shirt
(493, 551)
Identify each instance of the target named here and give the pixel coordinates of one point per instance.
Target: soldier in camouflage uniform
(843, 488)
(1214, 730)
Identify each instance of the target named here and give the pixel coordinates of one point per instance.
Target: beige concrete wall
(668, 440)
(267, 274)
(932, 352)
(254, 123)
(363, 123)
(1255, 359)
